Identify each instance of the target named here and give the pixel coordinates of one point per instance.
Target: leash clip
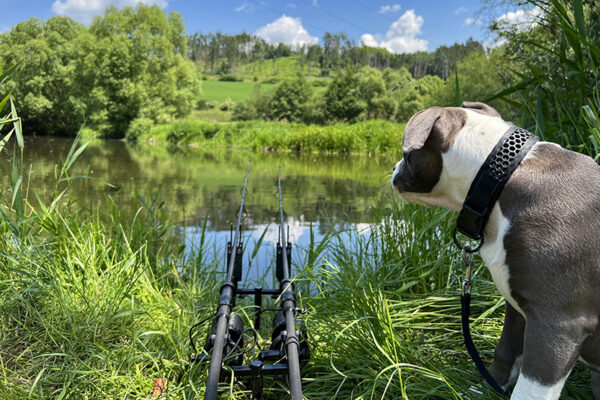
(466, 247)
(467, 257)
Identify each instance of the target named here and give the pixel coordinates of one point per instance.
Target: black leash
(485, 190)
(465, 308)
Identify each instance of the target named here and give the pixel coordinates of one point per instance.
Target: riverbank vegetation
(373, 136)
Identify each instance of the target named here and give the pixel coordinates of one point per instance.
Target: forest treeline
(222, 54)
(136, 67)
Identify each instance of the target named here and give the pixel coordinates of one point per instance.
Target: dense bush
(343, 100)
(258, 106)
(227, 105)
(229, 78)
(204, 104)
(289, 100)
(138, 127)
(184, 131)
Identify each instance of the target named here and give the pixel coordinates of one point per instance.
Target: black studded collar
(487, 186)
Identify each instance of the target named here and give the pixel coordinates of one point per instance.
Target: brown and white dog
(542, 241)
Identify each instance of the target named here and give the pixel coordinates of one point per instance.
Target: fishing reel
(232, 351)
(277, 349)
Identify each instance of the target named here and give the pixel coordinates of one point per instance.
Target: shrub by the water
(138, 127)
(185, 131)
(343, 101)
(372, 136)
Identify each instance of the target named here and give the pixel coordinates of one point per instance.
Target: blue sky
(400, 26)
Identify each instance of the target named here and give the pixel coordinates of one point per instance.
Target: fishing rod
(288, 350)
(288, 307)
(226, 303)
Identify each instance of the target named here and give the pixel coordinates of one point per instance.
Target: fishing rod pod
(225, 343)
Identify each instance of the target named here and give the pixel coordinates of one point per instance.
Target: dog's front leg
(550, 349)
(596, 384)
(507, 357)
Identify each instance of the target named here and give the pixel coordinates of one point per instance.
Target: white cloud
(473, 21)
(291, 5)
(494, 42)
(297, 228)
(85, 10)
(401, 37)
(389, 8)
(520, 19)
(242, 7)
(460, 10)
(286, 30)
(368, 40)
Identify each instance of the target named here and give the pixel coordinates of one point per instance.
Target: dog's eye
(407, 157)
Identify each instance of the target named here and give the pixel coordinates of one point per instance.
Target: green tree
(374, 92)
(289, 100)
(479, 76)
(46, 87)
(141, 70)
(343, 101)
(130, 63)
(257, 106)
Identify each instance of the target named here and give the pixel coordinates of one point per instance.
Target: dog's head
(443, 148)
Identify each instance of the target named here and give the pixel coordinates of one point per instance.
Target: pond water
(319, 192)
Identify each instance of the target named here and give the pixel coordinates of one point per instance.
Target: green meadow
(219, 91)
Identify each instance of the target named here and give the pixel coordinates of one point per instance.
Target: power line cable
(338, 18)
(374, 11)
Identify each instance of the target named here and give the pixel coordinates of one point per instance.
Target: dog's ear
(484, 108)
(419, 128)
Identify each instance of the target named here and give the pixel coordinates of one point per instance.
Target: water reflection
(325, 191)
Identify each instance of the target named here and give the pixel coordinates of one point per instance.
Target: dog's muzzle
(396, 181)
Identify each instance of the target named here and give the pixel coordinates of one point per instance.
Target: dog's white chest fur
(494, 256)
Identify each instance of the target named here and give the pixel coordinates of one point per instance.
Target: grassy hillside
(280, 68)
(237, 91)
